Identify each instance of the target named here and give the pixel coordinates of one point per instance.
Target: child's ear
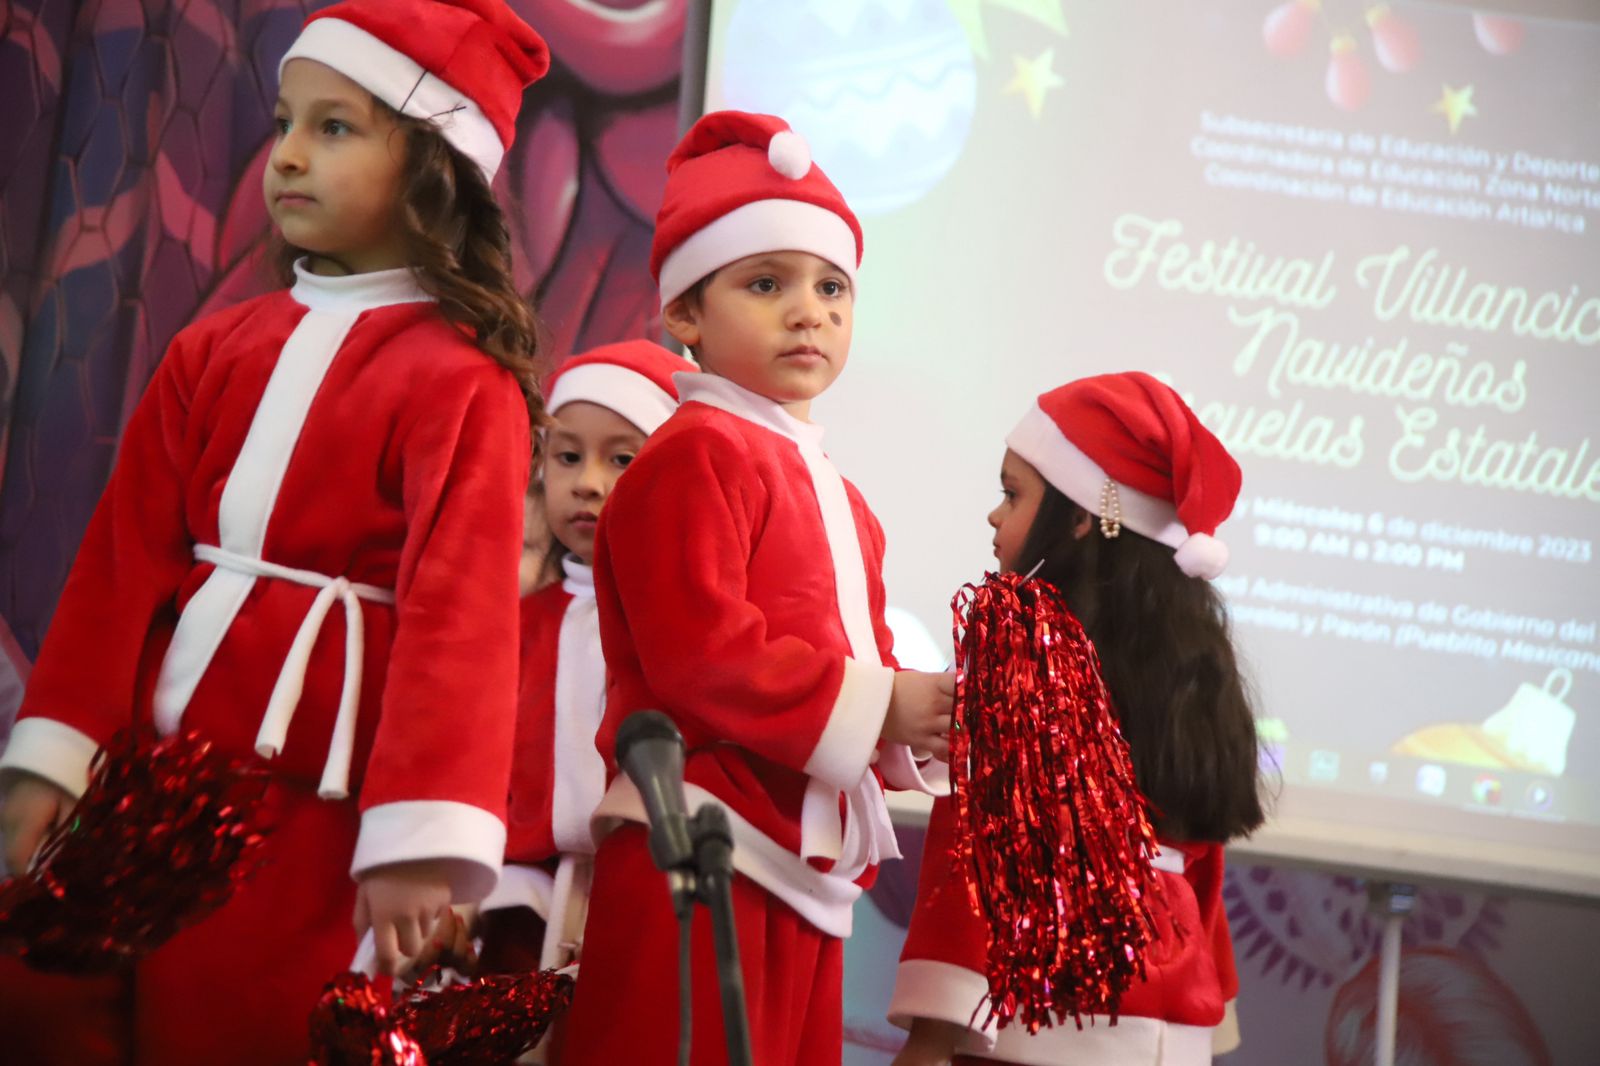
(682, 322)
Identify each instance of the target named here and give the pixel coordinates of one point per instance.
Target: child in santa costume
(602, 405)
(1112, 491)
(309, 545)
(739, 583)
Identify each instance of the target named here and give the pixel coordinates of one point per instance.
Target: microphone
(649, 750)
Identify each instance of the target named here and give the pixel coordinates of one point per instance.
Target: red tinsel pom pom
(352, 1025)
(1049, 818)
(492, 1020)
(163, 833)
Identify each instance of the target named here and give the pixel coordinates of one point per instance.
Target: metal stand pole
(1393, 902)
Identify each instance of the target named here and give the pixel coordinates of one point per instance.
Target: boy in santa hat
(739, 585)
(603, 404)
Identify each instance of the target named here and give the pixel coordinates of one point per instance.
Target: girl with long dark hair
(309, 546)
(1111, 490)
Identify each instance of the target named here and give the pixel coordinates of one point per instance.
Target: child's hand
(29, 808)
(919, 712)
(402, 905)
(931, 1043)
(450, 945)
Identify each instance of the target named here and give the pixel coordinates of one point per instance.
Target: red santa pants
(238, 988)
(626, 1006)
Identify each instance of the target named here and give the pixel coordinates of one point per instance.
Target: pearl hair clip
(1110, 510)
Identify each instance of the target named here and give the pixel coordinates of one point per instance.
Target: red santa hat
(632, 378)
(739, 184)
(459, 64)
(1127, 448)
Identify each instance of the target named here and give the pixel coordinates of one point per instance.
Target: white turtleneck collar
(579, 580)
(752, 407)
(355, 292)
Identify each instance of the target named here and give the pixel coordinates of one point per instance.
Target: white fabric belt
(866, 837)
(335, 783)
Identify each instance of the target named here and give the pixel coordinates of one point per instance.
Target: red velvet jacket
(739, 581)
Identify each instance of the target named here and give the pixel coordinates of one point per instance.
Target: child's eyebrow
(326, 103)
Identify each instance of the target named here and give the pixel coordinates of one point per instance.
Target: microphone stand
(696, 854)
(713, 856)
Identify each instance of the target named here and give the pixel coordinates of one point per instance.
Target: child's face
(1021, 491)
(587, 447)
(333, 180)
(777, 323)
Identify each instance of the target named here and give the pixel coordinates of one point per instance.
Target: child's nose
(994, 518)
(806, 311)
(288, 155)
(592, 479)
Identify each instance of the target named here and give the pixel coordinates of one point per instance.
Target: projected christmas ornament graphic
(1347, 83)
(1498, 35)
(1393, 39)
(884, 90)
(1347, 80)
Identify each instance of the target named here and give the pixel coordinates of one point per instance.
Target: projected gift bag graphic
(1530, 732)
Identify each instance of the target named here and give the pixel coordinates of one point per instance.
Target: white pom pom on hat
(1202, 555)
(789, 155)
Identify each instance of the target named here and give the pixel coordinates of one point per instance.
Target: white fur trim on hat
(789, 154)
(1040, 441)
(627, 392)
(762, 226)
(399, 81)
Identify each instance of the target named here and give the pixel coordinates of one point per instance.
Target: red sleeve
(134, 555)
(439, 772)
(675, 544)
(941, 972)
(1204, 871)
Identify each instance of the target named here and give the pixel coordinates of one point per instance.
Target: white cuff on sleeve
(52, 750)
(925, 988)
(469, 838)
(851, 736)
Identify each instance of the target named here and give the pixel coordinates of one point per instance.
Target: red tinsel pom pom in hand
(353, 1025)
(492, 1020)
(1050, 822)
(163, 833)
